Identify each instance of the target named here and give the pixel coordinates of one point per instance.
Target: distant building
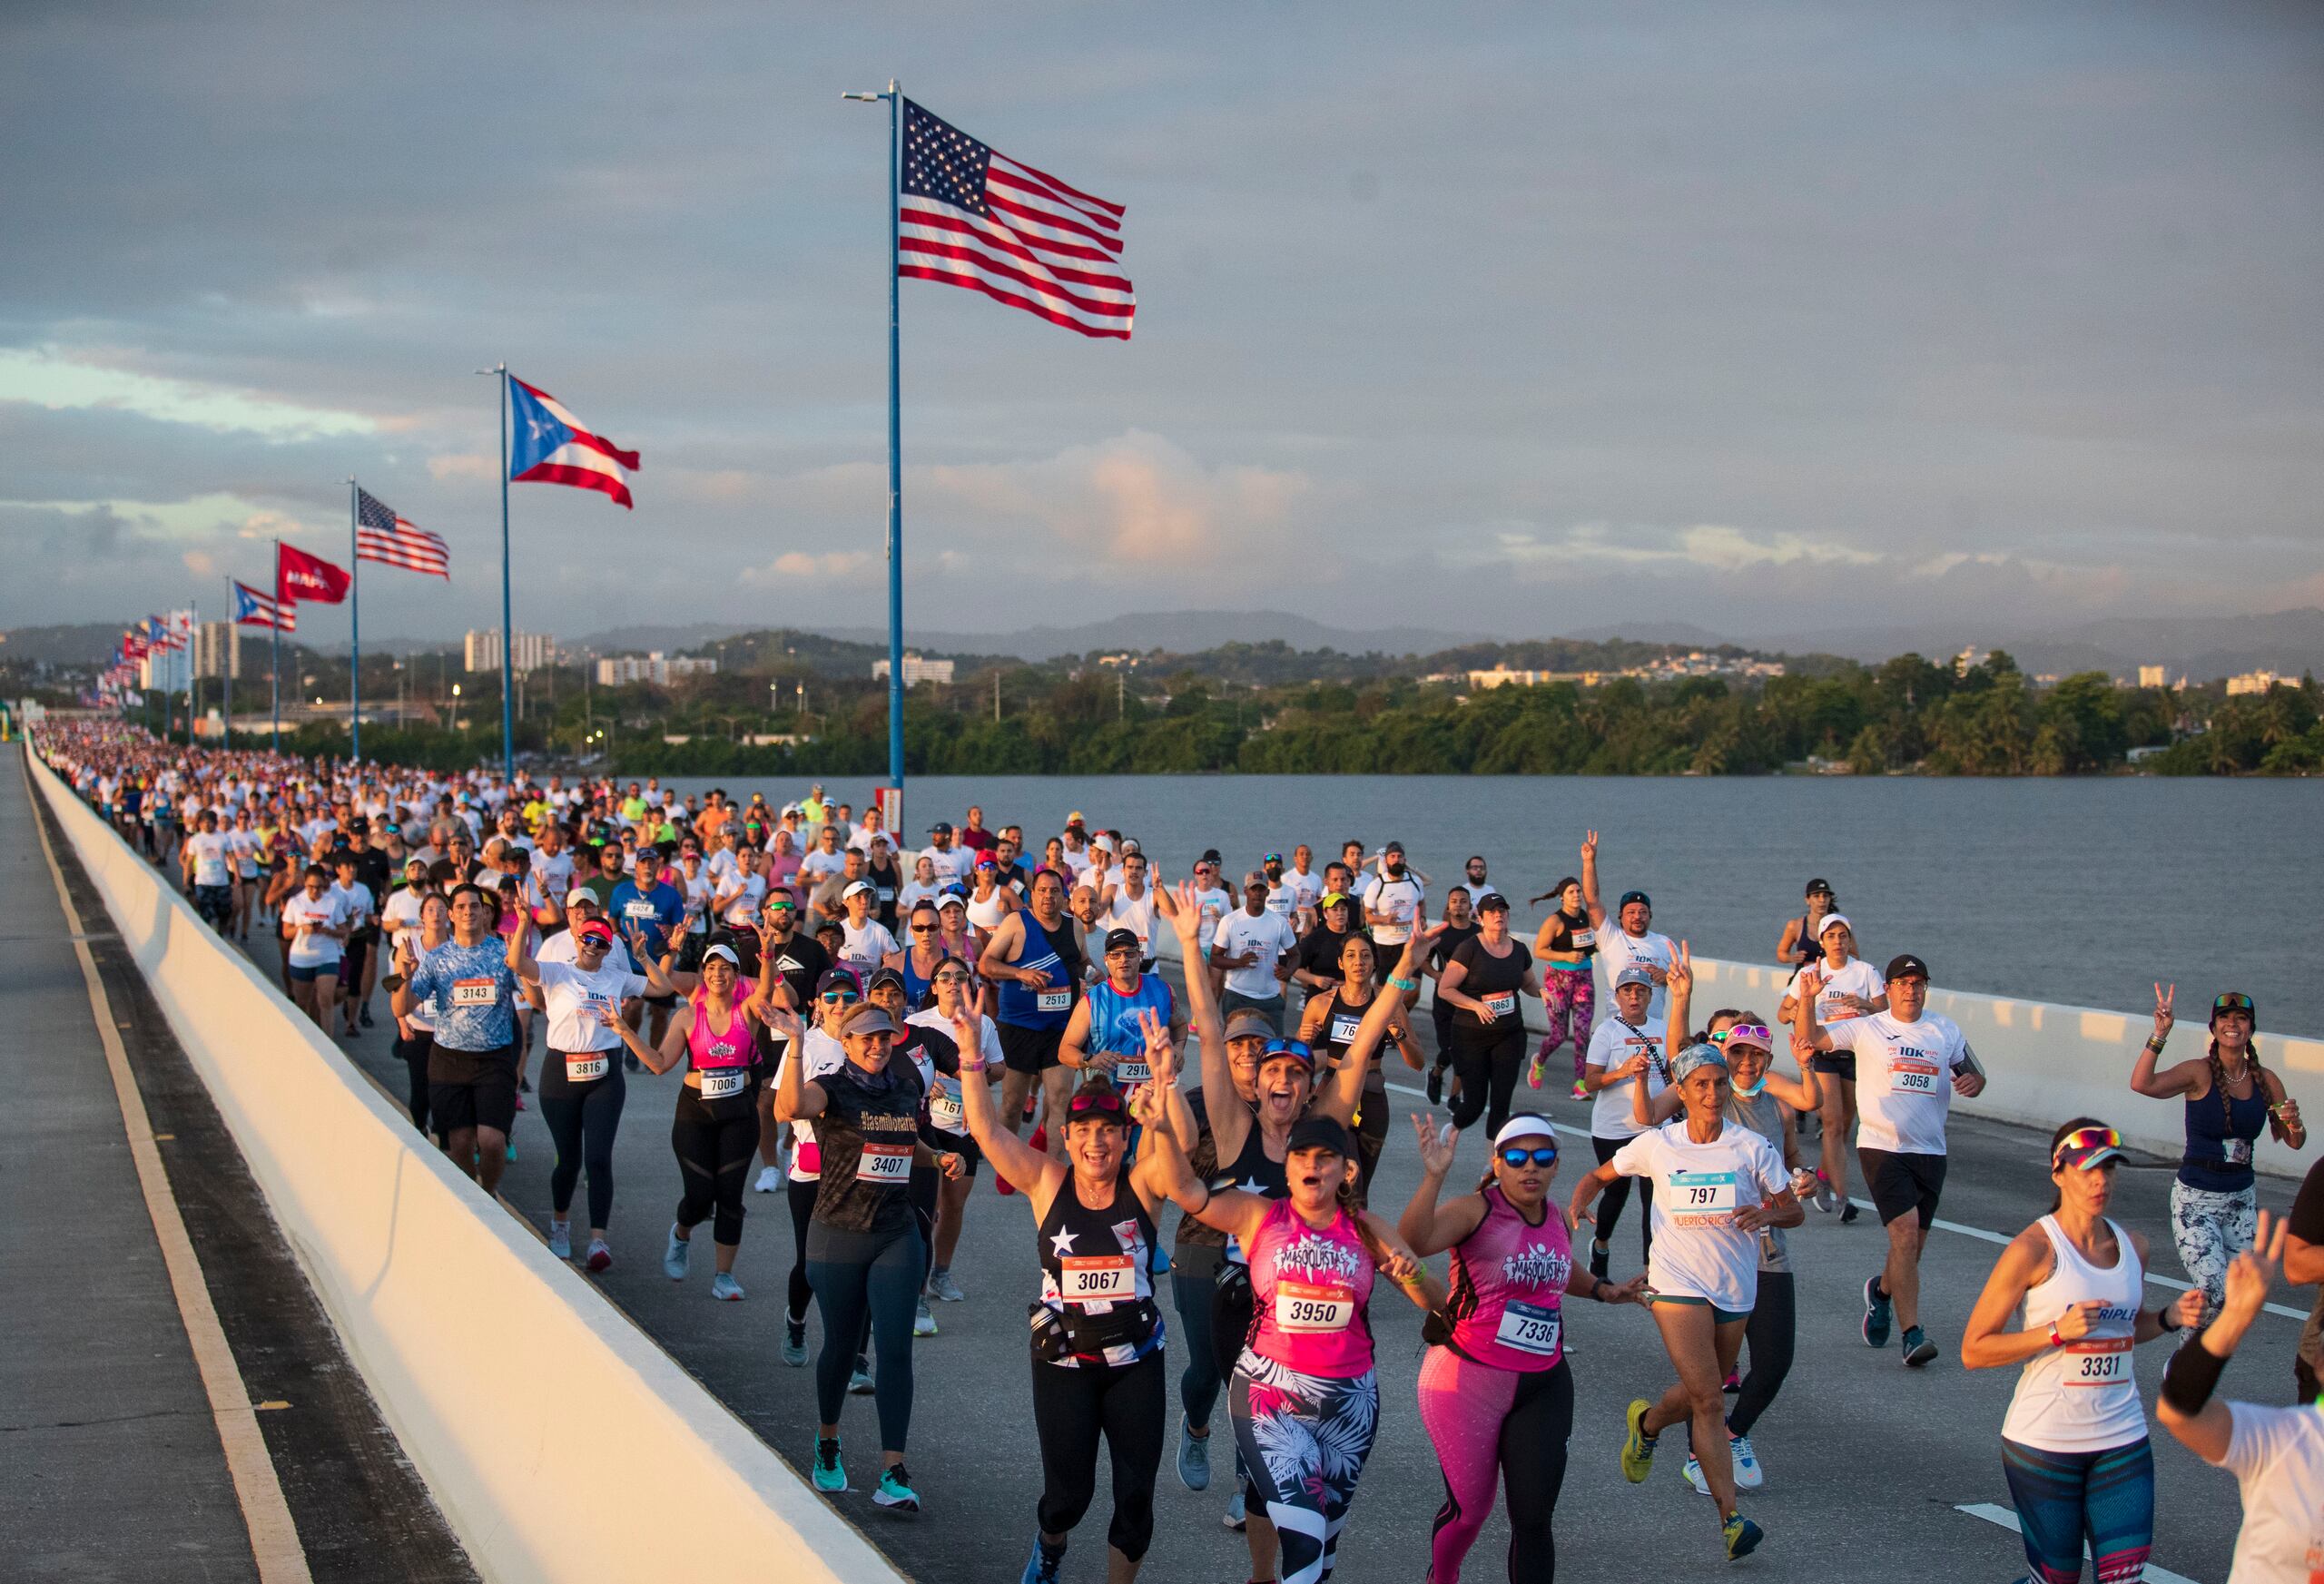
(534, 650)
(658, 668)
(2251, 682)
(1968, 659)
(217, 650)
(2151, 676)
(1502, 676)
(916, 670)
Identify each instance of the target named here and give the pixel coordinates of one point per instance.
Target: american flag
(383, 537)
(975, 218)
(253, 609)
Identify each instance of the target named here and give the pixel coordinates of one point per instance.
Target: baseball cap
(1633, 975)
(1073, 819)
(941, 828)
(1318, 1133)
(1272, 858)
(2087, 1148)
(1395, 847)
(1124, 940)
(1819, 887)
(1904, 964)
(578, 895)
(1246, 1024)
(867, 1018)
(1488, 898)
(594, 930)
(1830, 920)
(1210, 855)
(883, 976)
(2233, 1001)
(1130, 845)
(1694, 1058)
(986, 860)
(724, 951)
(1629, 896)
(836, 979)
(853, 886)
(1332, 900)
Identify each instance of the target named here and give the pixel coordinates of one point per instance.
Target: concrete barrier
(560, 1441)
(2046, 1062)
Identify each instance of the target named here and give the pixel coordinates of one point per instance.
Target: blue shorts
(307, 976)
(1718, 1316)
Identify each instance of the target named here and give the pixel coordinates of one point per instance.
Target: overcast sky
(1515, 319)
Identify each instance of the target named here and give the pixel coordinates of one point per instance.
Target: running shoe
(523, 1085)
(830, 1478)
(629, 1064)
(1826, 1200)
(1638, 1447)
(365, 1018)
(1000, 1182)
(1876, 1313)
(725, 1288)
(1918, 1349)
(601, 1258)
(769, 1179)
(923, 1324)
(560, 1240)
(1041, 1569)
(520, 1099)
(1749, 1474)
(1694, 1473)
(1436, 1086)
(1580, 1090)
(1733, 1384)
(1194, 1458)
(794, 1342)
(512, 1149)
(1533, 1073)
(943, 1288)
(894, 1490)
(674, 1257)
(1743, 1536)
(1597, 1252)
(859, 1381)
(1848, 1214)
(1040, 1140)
(1234, 1518)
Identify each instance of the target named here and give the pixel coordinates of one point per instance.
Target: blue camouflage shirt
(471, 995)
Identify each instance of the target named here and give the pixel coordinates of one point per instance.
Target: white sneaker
(923, 1324)
(770, 1179)
(560, 1240)
(944, 1289)
(1749, 1474)
(1695, 1477)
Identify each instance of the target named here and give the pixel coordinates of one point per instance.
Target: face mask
(1743, 1094)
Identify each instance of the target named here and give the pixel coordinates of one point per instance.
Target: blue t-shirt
(654, 909)
(471, 995)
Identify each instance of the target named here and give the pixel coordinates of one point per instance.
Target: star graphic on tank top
(1062, 1243)
(1251, 1185)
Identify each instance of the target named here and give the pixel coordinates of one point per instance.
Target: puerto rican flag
(548, 445)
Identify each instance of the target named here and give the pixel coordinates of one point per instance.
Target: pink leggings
(1570, 1003)
(1487, 1421)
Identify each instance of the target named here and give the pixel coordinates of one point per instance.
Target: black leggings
(414, 1054)
(803, 1210)
(1769, 1336)
(1372, 1114)
(1488, 1060)
(1617, 1194)
(713, 1163)
(1071, 1409)
(1198, 1383)
(858, 1275)
(1231, 1308)
(583, 1118)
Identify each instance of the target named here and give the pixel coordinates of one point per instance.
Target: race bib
(1577, 938)
(944, 1107)
(1344, 1026)
(1530, 1328)
(1300, 1307)
(1128, 1072)
(473, 992)
(580, 1067)
(884, 1164)
(2099, 1361)
(1914, 1075)
(887, 893)
(638, 908)
(1053, 1000)
(722, 1083)
(1501, 1003)
(2237, 1152)
(1703, 1198)
(1097, 1279)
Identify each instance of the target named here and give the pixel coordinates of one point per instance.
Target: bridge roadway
(1869, 1464)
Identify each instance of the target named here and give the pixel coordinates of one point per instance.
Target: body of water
(2083, 892)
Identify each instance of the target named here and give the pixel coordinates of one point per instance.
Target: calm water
(2082, 891)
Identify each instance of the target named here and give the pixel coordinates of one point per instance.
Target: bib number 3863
(1300, 1307)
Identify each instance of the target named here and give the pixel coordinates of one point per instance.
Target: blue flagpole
(274, 630)
(355, 606)
(226, 667)
(508, 625)
(895, 448)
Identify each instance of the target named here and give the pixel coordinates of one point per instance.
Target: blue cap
(1629, 896)
(1633, 975)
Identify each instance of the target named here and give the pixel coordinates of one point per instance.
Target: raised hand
(2253, 1270)
(1146, 1105)
(1589, 845)
(1437, 1146)
(2164, 995)
(1161, 1055)
(1680, 977)
(1178, 904)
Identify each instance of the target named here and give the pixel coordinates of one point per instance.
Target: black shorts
(469, 1088)
(1902, 1185)
(963, 1145)
(1029, 1050)
(664, 1002)
(1836, 1066)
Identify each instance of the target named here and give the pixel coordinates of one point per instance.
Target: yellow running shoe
(1638, 1447)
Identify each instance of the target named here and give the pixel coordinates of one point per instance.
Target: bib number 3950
(1300, 1307)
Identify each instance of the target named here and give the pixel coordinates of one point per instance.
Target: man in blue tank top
(1034, 959)
(1103, 1034)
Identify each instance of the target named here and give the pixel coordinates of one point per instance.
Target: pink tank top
(1508, 1285)
(1310, 1290)
(731, 1047)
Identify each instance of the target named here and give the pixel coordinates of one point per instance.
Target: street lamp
(456, 706)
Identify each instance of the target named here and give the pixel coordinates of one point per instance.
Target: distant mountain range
(2202, 647)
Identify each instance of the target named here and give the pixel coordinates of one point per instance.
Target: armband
(2191, 1377)
(1397, 984)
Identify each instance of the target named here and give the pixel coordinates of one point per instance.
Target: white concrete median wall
(2046, 1062)
(560, 1441)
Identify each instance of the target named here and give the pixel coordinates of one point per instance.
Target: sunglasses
(1749, 1033)
(1298, 1048)
(2231, 1002)
(951, 979)
(837, 997)
(1097, 1100)
(2083, 1139)
(1516, 1156)
(923, 929)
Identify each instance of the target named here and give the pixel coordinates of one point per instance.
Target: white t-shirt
(824, 1057)
(355, 903)
(1399, 899)
(1904, 1079)
(916, 891)
(952, 863)
(308, 950)
(944, 1109)
(401, 914)
(1213, 905)
(1306, 889)
(1618, 949)
(212, 857)
(1135, 914)
(574, 998)
(861, 839)
(818, 864)
(1612, 1043)
(244, 844)
(1283, 899)
(554, 871)
(2277, 1455)
(1854, 978)
(867, 942)
(1270, 935)
(1697, 1250)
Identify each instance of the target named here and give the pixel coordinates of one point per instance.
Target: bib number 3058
(1300, 1307)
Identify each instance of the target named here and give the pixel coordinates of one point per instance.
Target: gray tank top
(1763, 1114)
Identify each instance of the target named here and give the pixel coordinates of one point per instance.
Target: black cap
(883, 976)
(1124, 940)
(941, 828)
(2233, 1001)
(1819, 887)
(1490, 901)
(1319, 1133)
(1210, 855)
(1395, 847)
(836, 979)
(1629, 896)
(1904, 964)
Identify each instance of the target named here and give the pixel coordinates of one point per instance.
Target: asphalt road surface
(1869, 1464)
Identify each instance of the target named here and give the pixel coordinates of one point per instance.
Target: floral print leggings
(1570, 1003)
(2211, 1229)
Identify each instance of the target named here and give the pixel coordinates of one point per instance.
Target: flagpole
(274, 666)
(193, 670)
(233, 642)
(355, 645)
(507, 622)
(895, 449)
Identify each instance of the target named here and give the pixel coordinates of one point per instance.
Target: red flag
(300, 576)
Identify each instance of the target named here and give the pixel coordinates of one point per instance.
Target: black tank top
(1086, 1253)
(1563, 939)
(1805, 949)
(1341, 1020)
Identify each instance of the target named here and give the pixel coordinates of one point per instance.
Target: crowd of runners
(865, 1025)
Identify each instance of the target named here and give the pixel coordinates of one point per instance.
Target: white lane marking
(1980, 1233)
(2006, 1519)
(274, 1538)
